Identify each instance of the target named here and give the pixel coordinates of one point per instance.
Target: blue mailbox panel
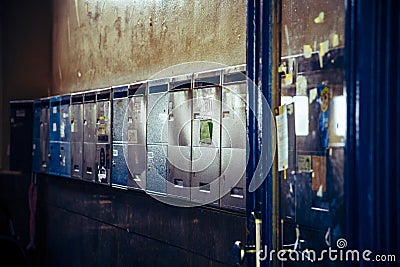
(54, 158)
(36, 156)
(54, 118)
(65, 136)
(54, 135)
(120, 173)
(65, 159)
(36, 119)
(65, 121)
(44, 135)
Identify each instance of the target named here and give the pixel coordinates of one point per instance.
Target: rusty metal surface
(104, 43)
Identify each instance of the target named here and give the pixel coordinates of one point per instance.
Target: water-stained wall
(103, 43)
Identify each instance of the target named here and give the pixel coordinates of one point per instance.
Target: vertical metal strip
(259, 70)
(252, 128)
(351, 139)
(265, 83)
(276, 10)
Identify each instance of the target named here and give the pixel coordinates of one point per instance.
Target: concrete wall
(103, 43)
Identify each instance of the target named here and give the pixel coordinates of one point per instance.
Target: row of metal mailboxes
(183, 137)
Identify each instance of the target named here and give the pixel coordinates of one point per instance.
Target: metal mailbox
(55, 119)
(54, 146)
(89, 137)
(103, 133)
(36, 118)
(44, 135)
(36, 155)
(65, 136)
(179, 137)
(54, 158)
(135, 125)
(119, 169)
(65, 121)
(76, 126)
(233, 139)
(119, 172)
(206, 142)
(157, 135)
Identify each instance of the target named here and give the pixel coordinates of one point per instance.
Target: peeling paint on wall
(103, 43)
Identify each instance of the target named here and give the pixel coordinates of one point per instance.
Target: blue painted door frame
(259, 70)
(372, 158)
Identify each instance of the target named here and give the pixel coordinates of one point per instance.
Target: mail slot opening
(76, 168)
(204, 187)
(178, 182)
(225, 114)
(237, 192)
(136, 177)
(89, 170)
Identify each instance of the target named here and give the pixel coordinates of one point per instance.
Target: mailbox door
(156, 168)
(89, 123)
(89, 162)
(206, 151)
(179, 144)
(44, 139)
(65, 123)
(65, 159)
(54, 158)
(76, 159)
(137, 166)
(233, 142)
(120, 108)
(103, 163)
(76, 123)
(119, 167)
